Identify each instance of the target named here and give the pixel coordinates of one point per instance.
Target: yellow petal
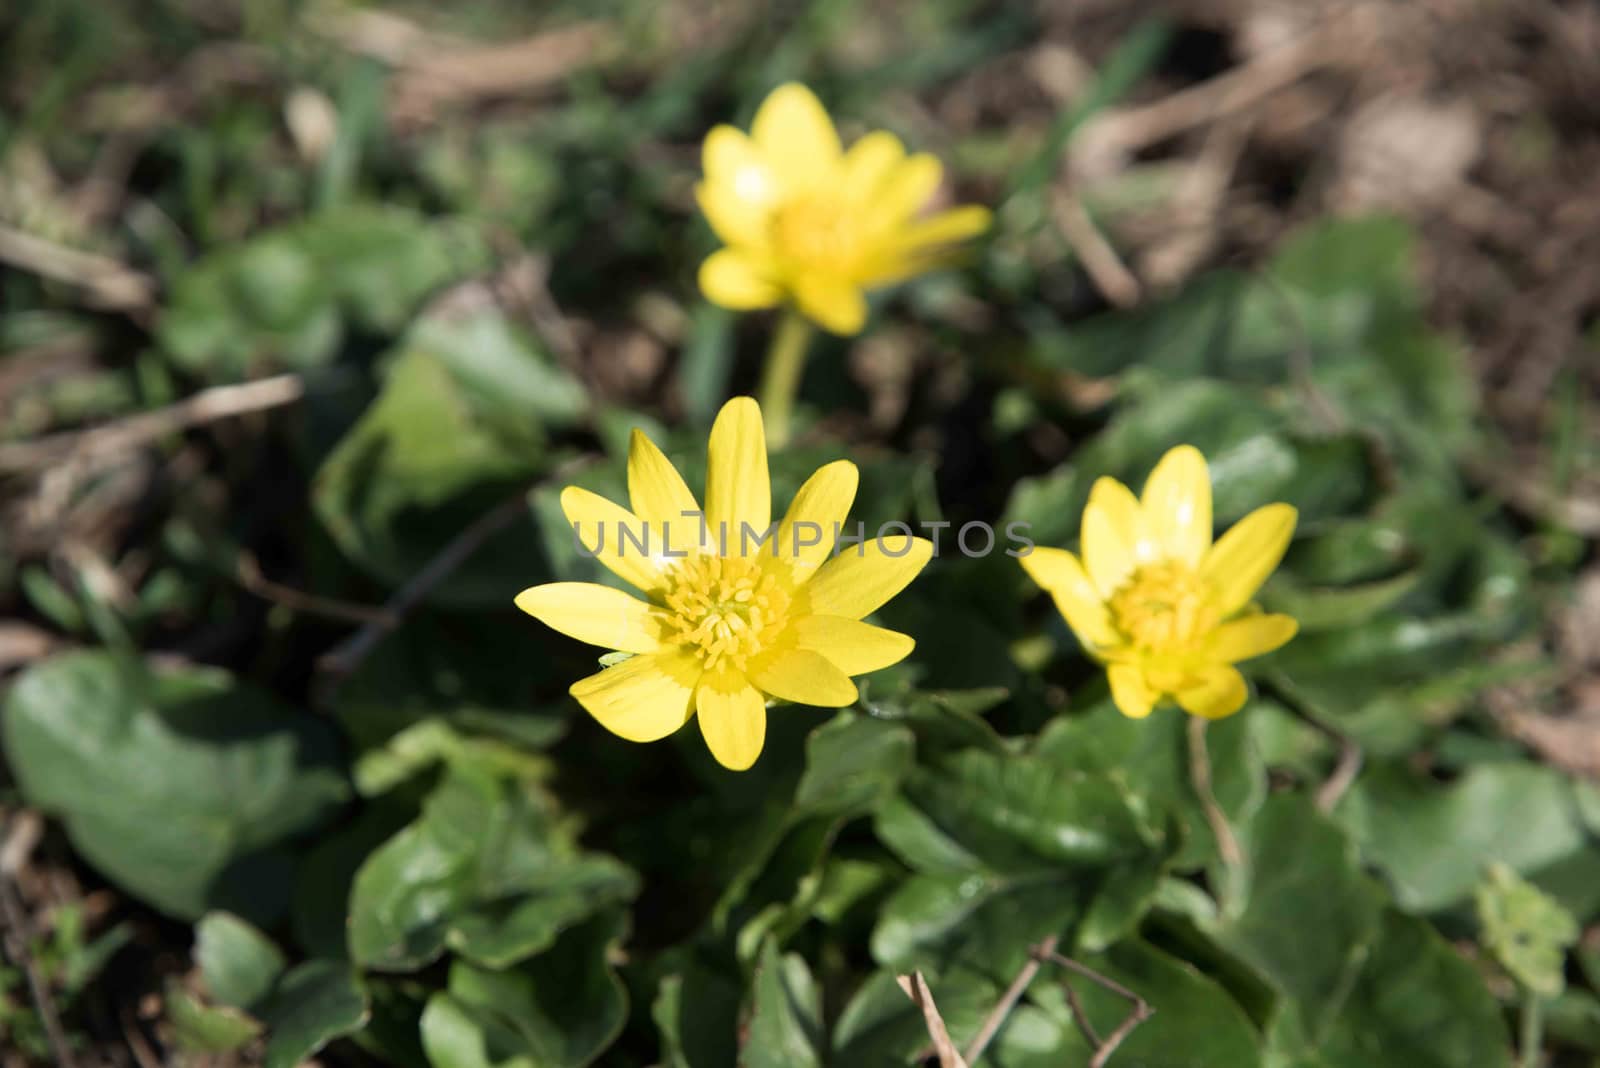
(644, 697)
(852, 646)
(1059, 573)
(835, 304)
(733, 719)
(1177, 505)
(737, 280)
(1241, 639)
(661, 497)
(1115, 539)
(740, 189)
(620, 540)
(804, 677)
(863, 577)
(795, 135)
(595, 614)
(738, 489)
(947, 227)
(908, 188)
(1220, 692)
(815, 516)
(739, 223)
(923, 246)
(1243, 557)
(1134, 696)
(868, 165)
(732, 161)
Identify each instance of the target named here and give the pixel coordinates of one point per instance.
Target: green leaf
(1527, 931)
(1007, 850)
(453, 1038)
(881, 1026)
(1195, 1021)
(314, 1003)
(785, 1027)
(239, 964)
(1151, 757)
(1012, 814)
(201, 1028)
(1433, 842)
(1416, 1004)
(696, 1013)
(196, 778)
(561, 1009)
(419, 467)
(981, 922)
(487, 869)
(286, 297)
(502, 371)
(852, 762)
(1309, 915)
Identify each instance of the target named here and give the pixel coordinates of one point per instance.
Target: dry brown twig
(111, 439)
(106, 283)
(1196, 206)
(1008, 1001)
(343, 659)
(1116, 134)
(435, 70)
(248, 571)
(916, 988)
(1534, 495)
(1140, 1012)
(1046, 951)
(1105, 268)
(1200, 776)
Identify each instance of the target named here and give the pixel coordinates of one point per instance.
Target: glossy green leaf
(201, 1028)
(1195, 1021)
(313, 1004)
(419, 467)
(1433, 842)
(852, 762)
(1007, 851)
(1309, 914)
(287, 297)
(881, 1026)
(1416, 1004)
(785, 1025)
(1152, 757)
(487, 869)
(179, 785)
(560, 1009)
(696, 1013)
(239, 964)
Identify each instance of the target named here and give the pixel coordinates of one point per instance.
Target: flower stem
(780, 378)
(1228, 850)
(1532, 1038)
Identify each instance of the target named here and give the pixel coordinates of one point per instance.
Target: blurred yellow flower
(736, 610)
(1164, 609)
(807, 222)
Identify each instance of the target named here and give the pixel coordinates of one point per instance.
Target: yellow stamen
(813, 231)
(727, 608)
(1163, 607)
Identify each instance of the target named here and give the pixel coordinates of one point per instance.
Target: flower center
(1163, 607)
(814, 231)
(727, 607)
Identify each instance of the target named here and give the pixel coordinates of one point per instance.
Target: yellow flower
(735, 611)
(1167, 611)
(808, 222)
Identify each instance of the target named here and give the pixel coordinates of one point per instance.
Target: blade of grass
(1135, 56)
